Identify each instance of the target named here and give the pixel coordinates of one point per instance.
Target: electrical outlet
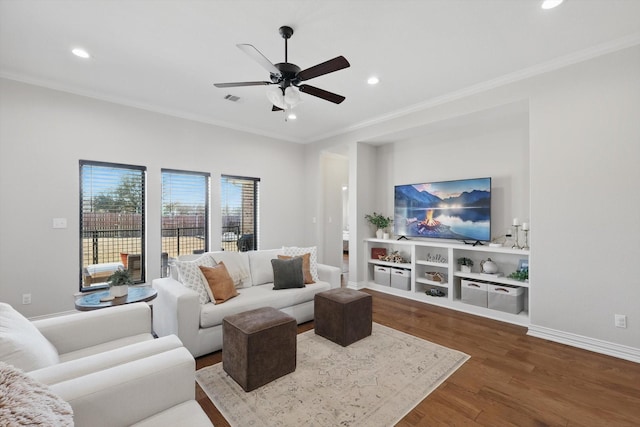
(620, 321)
(26, 298)
(59, 222)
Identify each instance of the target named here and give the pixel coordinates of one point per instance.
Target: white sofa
(179, 310)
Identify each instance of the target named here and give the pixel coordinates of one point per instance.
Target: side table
(135, 294)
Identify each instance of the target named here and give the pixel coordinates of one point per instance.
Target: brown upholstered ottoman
(258, 346)
(342, 315)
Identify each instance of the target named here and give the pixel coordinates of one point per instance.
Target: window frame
(143, 211)
(207, 210)
(256, 207)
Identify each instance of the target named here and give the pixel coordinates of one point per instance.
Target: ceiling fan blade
(321, 93)
(259, 58)
(326, 67)
(238, 84)
(274, 108)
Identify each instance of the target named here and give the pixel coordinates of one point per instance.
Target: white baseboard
(598, 346)
(356, 285)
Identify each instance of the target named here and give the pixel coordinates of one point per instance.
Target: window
(185, 214)
(112, 222)
(240, 208)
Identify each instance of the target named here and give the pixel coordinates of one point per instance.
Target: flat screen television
(459, 210)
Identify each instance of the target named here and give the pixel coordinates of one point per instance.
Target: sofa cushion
(313, 259)
(221, 286)
(287, 273)
(256, 297)
(191, 276)
(22, 344)
(260, 266)
(105, 346)
(306, 267)
(237, 265)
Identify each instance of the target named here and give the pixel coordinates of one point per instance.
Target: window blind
(240, 203)
(185, 214)
(112, 221)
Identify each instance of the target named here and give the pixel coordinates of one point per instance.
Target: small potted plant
(379, 221)
(465, 264)
(119, 283)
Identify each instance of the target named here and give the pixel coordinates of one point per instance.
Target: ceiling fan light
(274, 94)
(291, 96)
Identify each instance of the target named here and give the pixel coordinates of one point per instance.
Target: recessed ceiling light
(550, 4)
(292, 116)
(80, 53)
(373, 80)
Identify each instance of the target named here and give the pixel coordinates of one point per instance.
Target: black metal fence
(183, 240)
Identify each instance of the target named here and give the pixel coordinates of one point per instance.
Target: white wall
(43, 135)
(585, 199)
(584, 151)
(335, 173)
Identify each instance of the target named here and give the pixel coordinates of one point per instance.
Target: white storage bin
(382, 275)
(401, 278)
(506, 298)
(473, 292)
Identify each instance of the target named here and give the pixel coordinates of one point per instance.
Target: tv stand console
(434, 270)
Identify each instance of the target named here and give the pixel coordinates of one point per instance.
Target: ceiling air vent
(232, 98)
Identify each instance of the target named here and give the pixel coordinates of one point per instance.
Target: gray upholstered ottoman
(342, 315)
(258, 346)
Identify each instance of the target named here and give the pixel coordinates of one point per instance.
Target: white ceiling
(165, 55)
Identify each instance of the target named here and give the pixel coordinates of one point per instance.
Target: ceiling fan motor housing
(289, 72)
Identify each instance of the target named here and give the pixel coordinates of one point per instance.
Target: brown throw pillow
(220, 283)
(306, 267)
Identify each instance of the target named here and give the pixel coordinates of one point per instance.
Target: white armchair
(106, 365)
(82, 334)
(59, 348)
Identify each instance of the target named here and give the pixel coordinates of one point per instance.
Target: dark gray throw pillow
(287, 273)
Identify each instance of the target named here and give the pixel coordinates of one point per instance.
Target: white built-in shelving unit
(420, 255)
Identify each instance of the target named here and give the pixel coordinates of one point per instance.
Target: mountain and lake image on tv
(459, 210)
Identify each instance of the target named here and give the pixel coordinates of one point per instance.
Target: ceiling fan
(286, 78)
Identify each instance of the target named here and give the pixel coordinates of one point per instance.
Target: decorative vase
(379, 233)
(119, 291)
(489, 266)
(385, 236)
(465, 268)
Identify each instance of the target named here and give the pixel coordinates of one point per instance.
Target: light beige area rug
(373, 382)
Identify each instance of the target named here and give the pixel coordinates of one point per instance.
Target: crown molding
(142, 106)
(562, 62)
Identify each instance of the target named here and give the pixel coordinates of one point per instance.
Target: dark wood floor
(510, 380)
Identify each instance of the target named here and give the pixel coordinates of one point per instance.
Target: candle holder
(516, 245)
(526, 239)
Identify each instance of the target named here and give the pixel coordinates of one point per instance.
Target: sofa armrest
(330, 274)
(98, 362)
(176, 310)
(128, 393)
(85, 329)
